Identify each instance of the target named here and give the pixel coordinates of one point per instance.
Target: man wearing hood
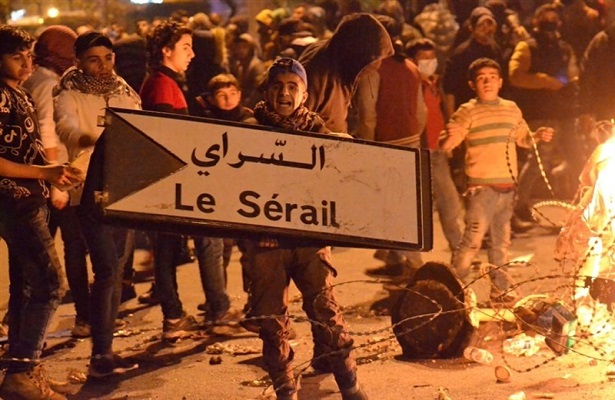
(333, 65)
(542, 72)
(596, 95)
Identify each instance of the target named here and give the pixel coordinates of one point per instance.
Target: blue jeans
(75, 262)
(209, 257)
(487, 210)
(109, 249)
(37, 281)
(447, 198)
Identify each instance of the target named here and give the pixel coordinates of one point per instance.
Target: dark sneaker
(128, 292)
(67, 298)
(179, 329)
(30, 385)
(230, 317)
(388, 270)
(81, 329)
(322, 365)
(354, 393)
(105, 365)
(519, 225)
(149, 297)
(250, 326)
(228, 323)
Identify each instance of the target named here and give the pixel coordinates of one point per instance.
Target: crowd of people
(504, 94)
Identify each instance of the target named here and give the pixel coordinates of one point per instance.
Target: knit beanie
(54, 48)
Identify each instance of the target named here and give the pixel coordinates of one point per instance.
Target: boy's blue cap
(286, 65)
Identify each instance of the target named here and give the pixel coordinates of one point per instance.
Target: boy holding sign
(273, 263)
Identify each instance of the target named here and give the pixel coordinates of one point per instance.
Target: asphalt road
(189, 369)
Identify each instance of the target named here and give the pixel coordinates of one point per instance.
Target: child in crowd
(273, 263)
(223, 100)
(490, 127)
(37, 282)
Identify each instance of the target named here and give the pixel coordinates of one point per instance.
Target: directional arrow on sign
(141, 159)
(195, 175)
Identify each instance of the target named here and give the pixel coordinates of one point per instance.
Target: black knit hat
(91, 39)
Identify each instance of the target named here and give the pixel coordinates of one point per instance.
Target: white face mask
(428, 67)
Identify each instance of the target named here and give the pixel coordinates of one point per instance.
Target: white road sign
(207, 173)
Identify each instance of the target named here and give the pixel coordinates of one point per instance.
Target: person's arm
(519, 71)
(524, 136)
(364, 100)
(456, 129)
(66, 117)
(47, 126)
(421, 110)
(449, 105)
(59, 175)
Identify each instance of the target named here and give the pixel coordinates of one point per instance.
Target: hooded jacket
(333, 66)
(597, 77)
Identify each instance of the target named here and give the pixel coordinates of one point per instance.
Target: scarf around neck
(75, 79)
(301, 120)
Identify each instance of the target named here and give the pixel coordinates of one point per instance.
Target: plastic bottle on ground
(480, 356)
(520, 345)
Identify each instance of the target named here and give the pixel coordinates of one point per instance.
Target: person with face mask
(447, 200)
(542, 73)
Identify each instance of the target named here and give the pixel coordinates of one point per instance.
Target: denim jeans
(37, 281)
(448, 202)
(209, 254)
(75, 262)
(109, 248)
(209, 257)
(487, 210)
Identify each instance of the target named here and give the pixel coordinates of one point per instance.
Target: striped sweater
(490, 131)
